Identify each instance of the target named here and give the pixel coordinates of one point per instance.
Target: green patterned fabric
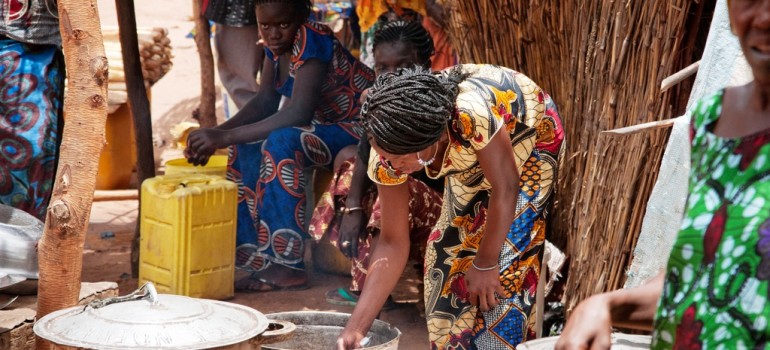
(716, 290)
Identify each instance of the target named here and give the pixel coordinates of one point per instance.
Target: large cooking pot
(19, 234)
(620, 341)
(146, 320)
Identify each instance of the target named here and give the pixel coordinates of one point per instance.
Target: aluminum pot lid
(138, 322)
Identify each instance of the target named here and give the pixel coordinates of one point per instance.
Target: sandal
(345, 297)
(258, 284)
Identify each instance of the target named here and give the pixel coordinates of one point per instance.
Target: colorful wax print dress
(716, 290)
(492, 99)
(31, 102)
(271, 174)
(424, 211)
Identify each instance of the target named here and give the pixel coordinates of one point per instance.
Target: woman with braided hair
(348, 213)
(495, 137)
(271, 148)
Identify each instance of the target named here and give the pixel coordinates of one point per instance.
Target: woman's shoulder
(481, 78)
(314, 40)
(706, 110)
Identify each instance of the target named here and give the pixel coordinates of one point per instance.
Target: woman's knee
(347, 153)
(286, 139)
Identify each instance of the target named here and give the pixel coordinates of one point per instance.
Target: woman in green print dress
(714, 292)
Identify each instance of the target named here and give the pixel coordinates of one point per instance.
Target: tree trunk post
(61, 247)
(140, 107)
(206, 111)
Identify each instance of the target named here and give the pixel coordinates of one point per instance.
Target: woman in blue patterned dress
(271, 148)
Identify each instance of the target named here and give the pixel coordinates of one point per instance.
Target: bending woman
(495, 137)
(271, 147)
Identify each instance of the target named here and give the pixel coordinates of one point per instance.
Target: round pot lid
(164, 322)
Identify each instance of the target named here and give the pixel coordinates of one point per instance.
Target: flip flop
(341, 296)
(259, 284)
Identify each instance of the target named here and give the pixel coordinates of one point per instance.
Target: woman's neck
(760, 97)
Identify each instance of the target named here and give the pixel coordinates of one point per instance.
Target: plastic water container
(118, 158)
(187, 242)
(217, 165)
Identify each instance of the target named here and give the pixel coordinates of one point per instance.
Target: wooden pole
(85, 105)
(140, 107)
(206, 112)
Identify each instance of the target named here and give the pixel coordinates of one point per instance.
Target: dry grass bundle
(603, 63)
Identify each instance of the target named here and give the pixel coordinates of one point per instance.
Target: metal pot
(319, 330)
(620, 341)
(19, 234)
(146, 320)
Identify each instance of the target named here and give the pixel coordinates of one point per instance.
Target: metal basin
(19, 233)
(319, 330)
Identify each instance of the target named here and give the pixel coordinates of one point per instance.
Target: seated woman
(714, 292)
(349, 212)
(271, 147)
(495, 137)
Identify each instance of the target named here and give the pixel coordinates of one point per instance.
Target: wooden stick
(677, 77)
(206, 111)
(630, 130)
(116, 195)
(61, 247)
(140, 107)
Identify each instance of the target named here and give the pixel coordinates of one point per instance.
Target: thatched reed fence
(602, 62)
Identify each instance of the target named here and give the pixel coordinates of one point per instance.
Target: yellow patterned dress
(491, 99)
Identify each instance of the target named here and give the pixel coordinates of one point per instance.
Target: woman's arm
(590, 324)
(352, 225)
(387, 263)
(306, 96)
(499, 166)
(262, 105)
(202, 143)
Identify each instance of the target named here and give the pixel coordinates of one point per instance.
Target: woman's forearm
(388, 259)
(288, 117)
(358, 183)
(500, 214)
(260, 107)
(387, 263)
(636, 307)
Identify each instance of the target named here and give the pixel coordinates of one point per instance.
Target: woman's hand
(349, 339)
(484, 287)
(352, 231)
(589, 326)
(202, 143)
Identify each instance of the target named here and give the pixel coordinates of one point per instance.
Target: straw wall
(602, 62)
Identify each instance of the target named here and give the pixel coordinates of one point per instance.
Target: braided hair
(407, 111)
(408, 32)
(303, 8)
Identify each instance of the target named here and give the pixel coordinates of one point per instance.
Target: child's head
(279, 21)
(401, 44)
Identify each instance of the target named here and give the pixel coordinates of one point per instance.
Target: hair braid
(409, 32)
(301, 7)
(407, 111)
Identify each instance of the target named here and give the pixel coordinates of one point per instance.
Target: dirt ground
(107, 248)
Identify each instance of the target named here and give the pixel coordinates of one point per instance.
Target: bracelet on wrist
(348, 210)
(473, 263)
